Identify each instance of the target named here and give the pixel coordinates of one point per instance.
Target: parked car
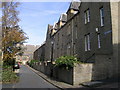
(16, 66)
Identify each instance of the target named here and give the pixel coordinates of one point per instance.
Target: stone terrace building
(89, 31)
(39, 54)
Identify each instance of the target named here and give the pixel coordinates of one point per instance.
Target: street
(29, 79)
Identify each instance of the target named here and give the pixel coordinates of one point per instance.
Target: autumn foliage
(13, 36)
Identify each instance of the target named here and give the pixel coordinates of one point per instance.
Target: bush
(5, 67)
(32, 62)
(9, 62)
(66, 62)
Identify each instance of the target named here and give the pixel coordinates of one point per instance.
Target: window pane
(88, 37)
(102, 16)
(85, 17)
(99, 44)
(85, 43)
(88, 15)
(102, 13)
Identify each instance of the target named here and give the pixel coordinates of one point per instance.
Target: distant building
(28, 53)
(29, 49)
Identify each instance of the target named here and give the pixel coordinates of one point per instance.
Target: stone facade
(39, 54)
(90, 33)
(115, 12)
(48, 43)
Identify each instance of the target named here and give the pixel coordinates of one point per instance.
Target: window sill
(87, 23)
(88, 51)
(98, 49)
(102, 26)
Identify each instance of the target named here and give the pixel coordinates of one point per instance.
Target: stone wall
(39, 54)
(79, 74)
(115, 37)
(102, 68)
(82, 73)
(63, 75)
(43, 67)
(119, 35)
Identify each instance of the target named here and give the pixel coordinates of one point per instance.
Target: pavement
(108, 83)
(101, 84)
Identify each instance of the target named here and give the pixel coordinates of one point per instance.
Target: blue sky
(35, 17)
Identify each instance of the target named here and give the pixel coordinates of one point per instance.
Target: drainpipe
(52, 50)
(72, 39)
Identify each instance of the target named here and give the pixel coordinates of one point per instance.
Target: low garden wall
(43, 67)
(102, 68)
(82, 73)
(76, 75)
(63, 74)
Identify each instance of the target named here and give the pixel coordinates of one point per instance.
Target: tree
(9, 14)
(13, 36)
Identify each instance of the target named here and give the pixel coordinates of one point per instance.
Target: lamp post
(97, 30)
(52, 50)
(38, 57)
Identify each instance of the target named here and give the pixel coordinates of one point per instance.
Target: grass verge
(8, 76)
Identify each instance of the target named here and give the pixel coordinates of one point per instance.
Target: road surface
(29, 79)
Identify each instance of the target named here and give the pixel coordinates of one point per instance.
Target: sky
(35, 17)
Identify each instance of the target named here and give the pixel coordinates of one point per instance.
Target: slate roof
(50, 27)
(74, 5)
(63, 17)
(55, 26)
